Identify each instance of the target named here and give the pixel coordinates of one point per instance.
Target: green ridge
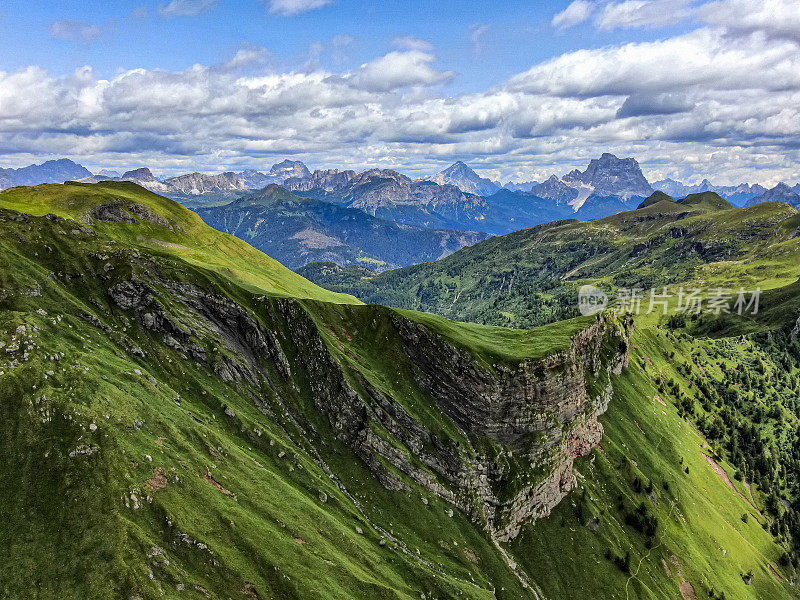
(131, 470)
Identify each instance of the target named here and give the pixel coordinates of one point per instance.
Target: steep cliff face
(519, 427)
(522, 425)
(529, 422)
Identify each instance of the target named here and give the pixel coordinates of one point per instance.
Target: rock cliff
(532, 419)
(518, 427)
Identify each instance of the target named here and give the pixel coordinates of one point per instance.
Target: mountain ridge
(172, 398)
(298, 230)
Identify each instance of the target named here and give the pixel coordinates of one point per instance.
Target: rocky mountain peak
(199, 183)
(467, 180)
(140, 174)
(555, 189)
(613, 176)
(329, 180)
(289, 168)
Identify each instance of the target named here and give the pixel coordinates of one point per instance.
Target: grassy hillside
(185, 235)
(530, 277)
(182, 417)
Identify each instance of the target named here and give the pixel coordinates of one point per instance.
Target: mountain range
(457, 205)
(510, 280)
(780, 193)
(605, 178)
(298, 230)
(738, 195)
(182, 416)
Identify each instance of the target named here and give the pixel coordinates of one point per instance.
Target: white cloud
(398, 70)
(643, 13)
(775, 18)
(340, 47)
(294, 7)
(247, 56)
(409, 42)
(577, 12)
(702, 58)
(702, 102)
(75, 31)
(186, 8)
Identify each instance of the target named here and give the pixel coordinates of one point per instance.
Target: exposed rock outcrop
(538, 416)
(521, 426)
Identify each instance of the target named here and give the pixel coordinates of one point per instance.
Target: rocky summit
(612, 176)
(198, 183)
(465, 179)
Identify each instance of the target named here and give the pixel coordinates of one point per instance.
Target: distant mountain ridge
(297, 230)
(557, 190)
(455, 198)
(197, 183)
(780, 193)
(738, 195)
(51, 171)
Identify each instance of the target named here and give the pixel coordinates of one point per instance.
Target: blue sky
(517, 89)
(484, 42)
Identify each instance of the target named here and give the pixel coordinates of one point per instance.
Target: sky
(518, 90)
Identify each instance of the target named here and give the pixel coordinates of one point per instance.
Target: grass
(530, 277)
(195, 242)
(148, 474)
(500, 344)
(700, 538)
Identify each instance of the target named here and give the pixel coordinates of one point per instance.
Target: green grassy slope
(194, 243)
(530, 277)
(163, 424)
(167, 472)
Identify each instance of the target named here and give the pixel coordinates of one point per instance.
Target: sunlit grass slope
(654, 457)
(189, 238)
